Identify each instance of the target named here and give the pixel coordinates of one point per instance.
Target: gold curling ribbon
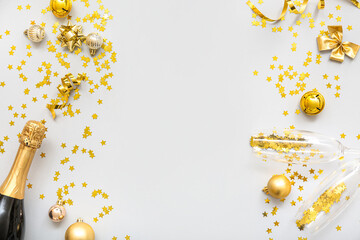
(68, 84)
(291, 5)
(356, 3)
(334, 42)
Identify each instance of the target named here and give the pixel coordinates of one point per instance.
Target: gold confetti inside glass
(330, 199)
(299, 146)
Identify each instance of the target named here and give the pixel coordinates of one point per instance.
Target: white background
(177, 163)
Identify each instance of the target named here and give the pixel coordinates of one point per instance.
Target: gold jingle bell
(80, 231)
(60, 8)
(278, 186)
(35, 33)
(312, 102)
(57, 212)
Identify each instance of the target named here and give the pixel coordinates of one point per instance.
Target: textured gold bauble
(312, 102)
(278, 186)
(60, 8)
(94, 42)
(80, 231)
(57, 212)
(35, 33)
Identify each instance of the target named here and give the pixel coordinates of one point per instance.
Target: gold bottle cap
(32, 134)
(312, 102)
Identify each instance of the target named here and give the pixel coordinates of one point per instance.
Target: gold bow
(291, 5)
(68, 84)
(334, 42)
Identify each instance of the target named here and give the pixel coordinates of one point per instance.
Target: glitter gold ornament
(94, 41)
(57, 212)
(312, 103)
(80, 231)
(60, 8)
(35, 33)
(278, 186)
(71, 36)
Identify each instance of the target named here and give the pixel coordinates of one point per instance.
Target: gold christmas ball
(94, 42)
(312, 102)
(278, 186)
(80, 231)
(57, 212)
(60, 8)
(35, 33)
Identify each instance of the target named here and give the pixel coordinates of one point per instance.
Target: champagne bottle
(13, 188)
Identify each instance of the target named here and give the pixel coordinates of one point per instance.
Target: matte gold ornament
(312, 103)
(60, 8)
(57, 212)
(35, 33)
(94, 41)
(71, 36)
(80, 231)
(278, 186)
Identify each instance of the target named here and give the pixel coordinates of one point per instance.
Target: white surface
(177, 164)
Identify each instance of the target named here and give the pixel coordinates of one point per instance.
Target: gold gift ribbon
(68, 84)
(291, 5)
(334, 42)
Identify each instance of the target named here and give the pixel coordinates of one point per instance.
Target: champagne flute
(299, 146)
(333, 195)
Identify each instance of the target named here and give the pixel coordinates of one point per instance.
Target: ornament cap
(266, 190)
(92, 52)
(60, 202)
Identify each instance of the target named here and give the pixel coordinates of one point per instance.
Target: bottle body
(11, 218)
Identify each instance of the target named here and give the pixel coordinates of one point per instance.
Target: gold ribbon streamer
(334, 42)
(68, 84)
(356, 3)
(291, 5)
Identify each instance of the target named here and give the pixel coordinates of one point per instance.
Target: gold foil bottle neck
(30, 139)
(32, 134)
